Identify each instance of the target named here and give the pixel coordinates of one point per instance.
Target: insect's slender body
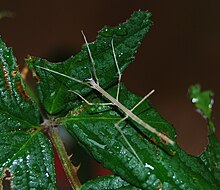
(93, 83)
(128, 112)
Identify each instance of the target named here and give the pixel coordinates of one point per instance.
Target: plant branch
(69, 168)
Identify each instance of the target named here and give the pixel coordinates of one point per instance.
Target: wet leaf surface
(26, 158)
(138, 158)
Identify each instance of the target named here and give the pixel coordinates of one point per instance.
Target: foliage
(27, 159)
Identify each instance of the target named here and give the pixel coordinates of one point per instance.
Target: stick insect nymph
(93, 83)
(128, 112)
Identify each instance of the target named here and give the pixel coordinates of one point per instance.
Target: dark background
(183, 48)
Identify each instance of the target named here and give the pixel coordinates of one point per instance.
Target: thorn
(77, 167)
(70, 156)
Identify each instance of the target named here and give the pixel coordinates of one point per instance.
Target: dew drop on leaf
(120, 54)
(52, 93)
(121, 31)
(106, 32)
(148, 166)
(194, 100)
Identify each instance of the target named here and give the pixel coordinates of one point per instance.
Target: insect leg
(126, 140)
(91, 58)
(90, 103)
(144, 98)
(118, 69)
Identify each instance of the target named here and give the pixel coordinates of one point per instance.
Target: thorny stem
(69, 168)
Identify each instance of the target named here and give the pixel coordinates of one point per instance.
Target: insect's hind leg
(128, 143)
(116, 126)
(117, 95)
(144, 98)
(118, 69)
(121, 132)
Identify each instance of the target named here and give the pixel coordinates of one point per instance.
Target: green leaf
(203, 101)
(53, 90)
(110, 182)
(29, 160)
(26, 155)
(93, 126)
(211, 157)
(140, 158)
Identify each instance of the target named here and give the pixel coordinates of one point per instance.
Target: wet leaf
(203, 101)
(110, 182)
(26, 159)
(53, 90)
(211, 157)
(153, 168)
(138, 158)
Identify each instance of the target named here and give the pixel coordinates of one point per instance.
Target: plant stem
(69, 168)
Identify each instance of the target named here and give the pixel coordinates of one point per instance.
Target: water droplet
(18, 125)
(106, 32)
(151, 180)
(52, 93)
(18, 171)
(194, 100)
(120, 54)
(123, 152)
(121, 31)
(211, 103)
(178, 182)
(148, 166)
(100, 108)
(85, 68)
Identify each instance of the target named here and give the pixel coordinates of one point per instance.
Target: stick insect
(93, 83)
